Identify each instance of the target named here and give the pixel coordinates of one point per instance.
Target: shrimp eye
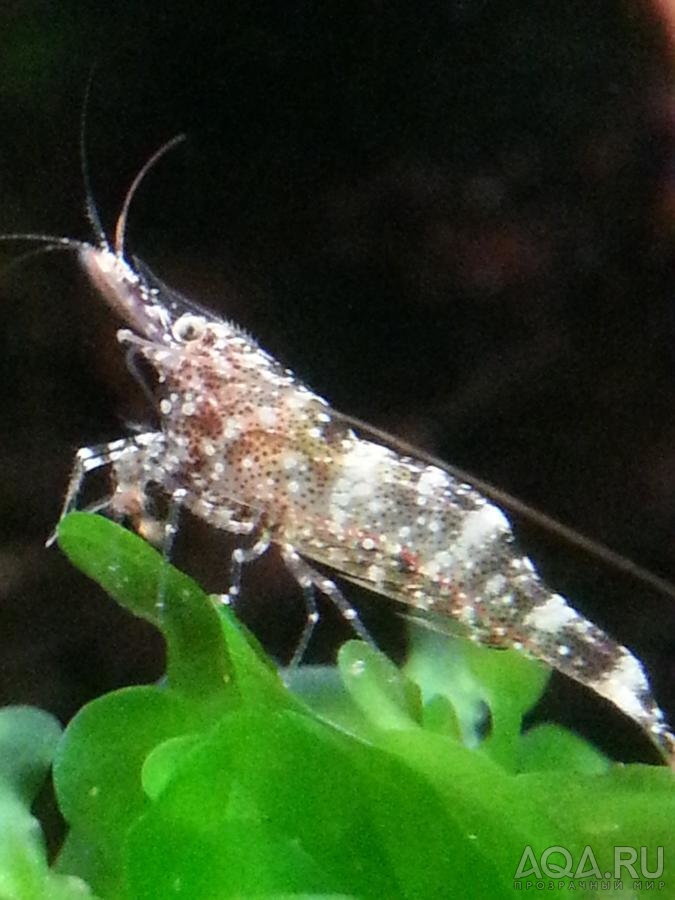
(188, 327)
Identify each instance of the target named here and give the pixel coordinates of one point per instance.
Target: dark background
(453, 220)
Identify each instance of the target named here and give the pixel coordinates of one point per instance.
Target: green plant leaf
(384, 694)
(220, 783)
(135, 574)
(28, 739)
(475, 679)
(549, 747)
(97, 773)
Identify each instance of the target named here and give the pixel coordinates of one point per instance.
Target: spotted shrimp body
(245, 446)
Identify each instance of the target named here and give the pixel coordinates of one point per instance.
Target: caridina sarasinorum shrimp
(246, 446)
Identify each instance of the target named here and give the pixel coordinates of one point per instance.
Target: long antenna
(122, 218)
(65, 242)
(46, 246)
(90, 204)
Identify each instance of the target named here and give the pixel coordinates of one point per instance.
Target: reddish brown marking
(409, 560)
(208, 420)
